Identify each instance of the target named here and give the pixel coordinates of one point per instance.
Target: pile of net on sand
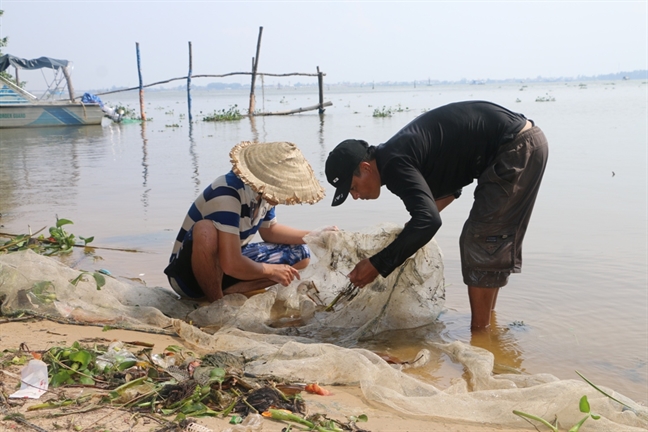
(412, 296)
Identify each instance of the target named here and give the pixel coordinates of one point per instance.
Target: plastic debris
(34, 381)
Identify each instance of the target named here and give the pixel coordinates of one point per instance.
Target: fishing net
(45, 287)
(286, 332)
(491, 400)
(412, 296)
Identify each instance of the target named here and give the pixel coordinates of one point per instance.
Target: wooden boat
(19, 108)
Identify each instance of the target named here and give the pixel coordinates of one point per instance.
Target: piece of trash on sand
(252, 423)
(316, 389)
(33, 380)
(195, 427)
(115, 355)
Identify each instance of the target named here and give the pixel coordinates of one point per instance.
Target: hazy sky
(349, 40)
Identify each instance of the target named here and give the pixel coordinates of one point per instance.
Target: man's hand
(282, 273)
(319, 231)
(364, 273)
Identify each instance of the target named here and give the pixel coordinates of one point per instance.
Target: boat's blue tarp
(21, 63)
(88, 98)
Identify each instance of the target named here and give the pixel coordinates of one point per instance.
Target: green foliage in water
(231, 114)
(127, 112)
(382, 112)
(58, 242)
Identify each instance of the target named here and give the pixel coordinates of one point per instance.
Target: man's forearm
(282, 234)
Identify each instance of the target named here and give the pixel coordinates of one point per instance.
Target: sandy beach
(40, 335)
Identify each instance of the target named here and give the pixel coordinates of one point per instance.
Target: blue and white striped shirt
(233, 208)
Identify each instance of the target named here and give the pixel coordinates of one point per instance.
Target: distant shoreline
(619, 76)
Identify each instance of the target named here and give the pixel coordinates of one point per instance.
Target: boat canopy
(41, 62)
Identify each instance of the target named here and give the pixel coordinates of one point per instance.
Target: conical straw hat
(278, 170)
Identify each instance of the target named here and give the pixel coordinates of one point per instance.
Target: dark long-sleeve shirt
(434, 156)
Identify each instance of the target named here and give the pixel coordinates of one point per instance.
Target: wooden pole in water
(255, 64)
(320, 83)
(141, 88)
(66, 74)
(189, 84)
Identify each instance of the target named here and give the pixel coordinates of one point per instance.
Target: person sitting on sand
(213, 254)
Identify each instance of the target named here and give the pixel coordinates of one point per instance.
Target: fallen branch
(295, 111)
(10, 236)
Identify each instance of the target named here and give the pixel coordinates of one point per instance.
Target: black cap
(340, 165)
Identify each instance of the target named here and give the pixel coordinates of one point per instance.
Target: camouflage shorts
(491, 240)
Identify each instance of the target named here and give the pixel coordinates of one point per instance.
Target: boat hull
(41, 115)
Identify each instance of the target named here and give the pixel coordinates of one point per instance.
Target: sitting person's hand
(283, 274)
(319, 231)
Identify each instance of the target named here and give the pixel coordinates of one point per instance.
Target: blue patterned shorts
(272, 253)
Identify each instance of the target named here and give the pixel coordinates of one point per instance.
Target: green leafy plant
(100, 280)
(583, 406)
(382, 112)
(18, 243)
(60, 241)
(316, 422)
(126, 111)
(605, 394)
(44, 291)
(231, 114)
(71, 365)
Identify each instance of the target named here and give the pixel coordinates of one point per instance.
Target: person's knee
(205, 234)
(302, 264)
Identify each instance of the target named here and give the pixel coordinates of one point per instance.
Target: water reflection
(194, 160)
(404, 347)
(145, 197)
(43, 162)
(502, 343)
(255, 132)
(63, 133)
(323, 153)
(253, 128)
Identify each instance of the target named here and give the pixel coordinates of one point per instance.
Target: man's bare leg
(206, 265)
(204, 260)
(495, 299)
(249, 286)
(482, 301)
(301, 264)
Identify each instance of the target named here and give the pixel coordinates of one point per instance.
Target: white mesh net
(283, 331)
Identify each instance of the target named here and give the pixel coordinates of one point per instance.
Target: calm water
(579, 304)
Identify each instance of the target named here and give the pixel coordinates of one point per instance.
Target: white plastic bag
(34, 380)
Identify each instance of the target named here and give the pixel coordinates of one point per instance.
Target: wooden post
(251, 107)
(189, 85)
(66, 73)
(141, 88)
(255, 64)
(17, 79)
(320, 82)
